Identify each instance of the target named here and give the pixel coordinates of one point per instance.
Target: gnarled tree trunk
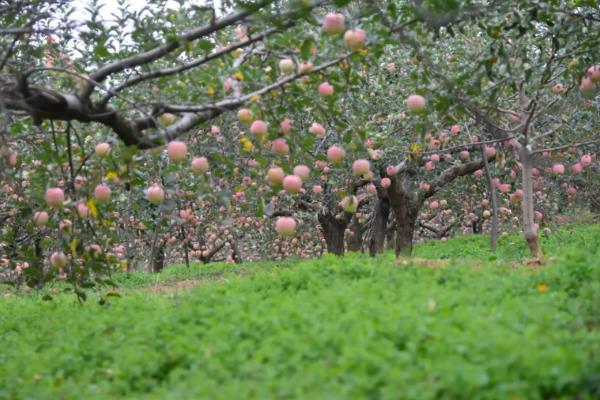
(379, 228)
(406, 210)
(333, 232)
(355, 241)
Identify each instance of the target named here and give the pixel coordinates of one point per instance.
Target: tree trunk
(333, 232)
(355, 241)
(390, 235)
(529, 230)
(157, 262)
(595, 201)
(406, 212)
(405, 228)
(494, 199)
(379, 228)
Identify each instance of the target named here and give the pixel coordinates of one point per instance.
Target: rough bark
(157, 262)
(379, 228)
(595, 202)
(405, 228)
(333, 232)
(494, 199)
(406, 208)
(529, 230)
(355, 241)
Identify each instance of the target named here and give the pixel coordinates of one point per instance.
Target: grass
(481, 327)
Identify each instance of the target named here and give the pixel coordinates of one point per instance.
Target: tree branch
(188, 66)
(162, 50)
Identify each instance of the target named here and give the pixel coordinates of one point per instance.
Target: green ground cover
(479, 326)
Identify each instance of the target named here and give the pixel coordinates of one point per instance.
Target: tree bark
(405, 228)
(355, 241)
(379, 229)
(157, 262)
(494, 199)
(333, 232)
(406, 210)
(529, 230)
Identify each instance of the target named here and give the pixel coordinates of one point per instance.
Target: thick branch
(161, 51)
(452, 173)
(172, 71)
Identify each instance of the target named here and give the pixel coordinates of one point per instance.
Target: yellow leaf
(543, 288)
(415, 148)
(274, 93)
(239, 76)
(255, 99)
(211, 90)
(73, 246)
(92, 208)
(246, 144)
(111, 175)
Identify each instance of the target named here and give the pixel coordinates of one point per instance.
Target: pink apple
(102, 193)
(285, 226)
(336, 154)
(102, 149)
(306, 67)
(245, 115)
(386, 182)
(360, 167)
(176, 150)
(285, 127)
(415, 103)
(558, 169)
(55, 197)
(593, 73)
(334, 23)
(317, 129)
(280, 147)
(82, 210)
(587, 86)
(58, 260)
(155, 194)
(576, 168)
(275, 176)
(586, 160)
(286, 66)
(355, 39)
(504, 187)
(302, 171)
(489, 151)
(199, 165)
(40, 218)
(259, 128)
(325, 89)
(292, 184)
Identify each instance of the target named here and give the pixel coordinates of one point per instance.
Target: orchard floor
(457, 322)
